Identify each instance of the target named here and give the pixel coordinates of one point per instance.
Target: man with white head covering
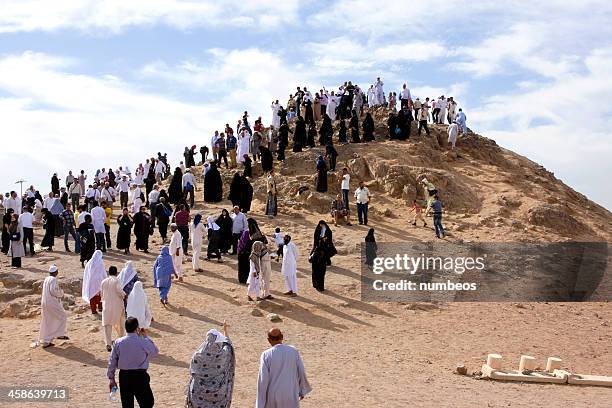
(176, 250)
(138, 306)
(113, 308)
(282, 381)
(93, 275)
(212, 368)
(289, 266)
(53, 323)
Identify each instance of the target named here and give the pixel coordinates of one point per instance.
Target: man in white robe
(275, 118)
(332, 104)
(442, 104)
(197, 230)
(453, 130)
(176, 250)
(461, 121)
(53, 323)
(282, 381)
(379, 94)
(289, 266)
(244, 145)
(371, 97)
(113, 312)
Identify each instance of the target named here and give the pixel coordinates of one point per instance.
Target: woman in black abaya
(213, 185)
(175, 190)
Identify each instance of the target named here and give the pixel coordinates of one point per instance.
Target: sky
(86, 84)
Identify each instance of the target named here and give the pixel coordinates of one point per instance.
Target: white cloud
(115, 15)
(75, 121)
(237, 79)
(575, 142)
(344, 54)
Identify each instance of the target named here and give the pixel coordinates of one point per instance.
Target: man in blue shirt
(131, 355)
(436, 206)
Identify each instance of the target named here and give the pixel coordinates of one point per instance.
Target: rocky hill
(490, 193)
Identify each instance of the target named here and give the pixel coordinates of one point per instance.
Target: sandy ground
(356, 354)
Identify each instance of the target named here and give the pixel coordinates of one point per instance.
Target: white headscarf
(93, 275)
(219, 338)
(212, 224)
(127, 274)
(138, 306)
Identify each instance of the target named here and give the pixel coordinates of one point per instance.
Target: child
(418, 213)
(279, 239)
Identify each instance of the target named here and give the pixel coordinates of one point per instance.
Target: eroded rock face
(555, 217)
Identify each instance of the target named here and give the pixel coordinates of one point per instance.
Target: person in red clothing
(182, 219)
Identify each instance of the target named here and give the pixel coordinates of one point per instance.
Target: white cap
(52, 269)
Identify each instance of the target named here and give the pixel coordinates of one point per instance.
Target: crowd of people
(82, 213)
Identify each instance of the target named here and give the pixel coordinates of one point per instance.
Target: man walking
(362, 196)
(67, 217)
(26, 220)
(282, 378)
(131, 355)
(239, 224)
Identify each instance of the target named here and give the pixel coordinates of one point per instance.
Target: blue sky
(90, 84)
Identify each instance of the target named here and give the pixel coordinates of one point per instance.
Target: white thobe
(371, 98)
(275, 118)
(289, 267)
(442, 115)
(253, 281)
(98, 216)
(380, 94)
(53, 323)
(332, 104)
(244, 147)
(282, 378)
(176, 242)
(453, 129)
(197, 236)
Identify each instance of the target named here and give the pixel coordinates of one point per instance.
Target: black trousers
(123, 199)
(101, 241)
(108, 236)
(235, 238)
(423, 125)
(135, 384)
(28, 236)
(184, 230)
(222, 156)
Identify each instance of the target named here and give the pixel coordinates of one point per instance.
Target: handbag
(15, 236)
